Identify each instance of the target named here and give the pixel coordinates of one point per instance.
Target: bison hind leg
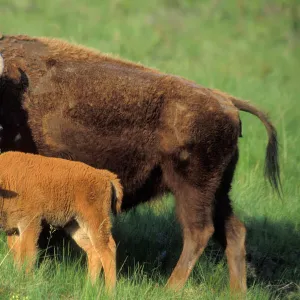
(230, 231)
(194, 206)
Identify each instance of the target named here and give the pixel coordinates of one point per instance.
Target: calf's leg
(27, 243)
(13, 244)
(82, 239)
(103, 243)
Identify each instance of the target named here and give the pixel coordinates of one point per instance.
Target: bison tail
(272, 170)
(117, 196)
(1, 65)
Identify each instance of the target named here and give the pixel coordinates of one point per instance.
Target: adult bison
(158, 132)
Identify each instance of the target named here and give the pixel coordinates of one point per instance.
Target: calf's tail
(117, 195)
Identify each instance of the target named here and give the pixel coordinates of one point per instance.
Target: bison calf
(68, 194)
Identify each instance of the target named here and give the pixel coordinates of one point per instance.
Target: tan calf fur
(63, 193)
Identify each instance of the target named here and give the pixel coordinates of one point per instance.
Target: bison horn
(1, 64)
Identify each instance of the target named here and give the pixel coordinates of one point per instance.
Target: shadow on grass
(147, 240)
(150, 240)
(273, 251)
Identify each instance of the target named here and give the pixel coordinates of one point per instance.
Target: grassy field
(251, 51)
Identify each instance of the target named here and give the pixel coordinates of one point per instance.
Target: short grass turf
(247, 48)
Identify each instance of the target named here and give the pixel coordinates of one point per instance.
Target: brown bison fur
(158, 132)
(68, 194)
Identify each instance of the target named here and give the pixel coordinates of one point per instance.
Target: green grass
(252, 53)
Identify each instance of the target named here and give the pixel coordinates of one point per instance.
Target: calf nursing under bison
(68, 194)
(158, 132)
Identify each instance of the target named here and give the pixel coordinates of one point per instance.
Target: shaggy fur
(158, 132)
(63, 193)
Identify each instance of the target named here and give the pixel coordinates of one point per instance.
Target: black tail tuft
(272, 169)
